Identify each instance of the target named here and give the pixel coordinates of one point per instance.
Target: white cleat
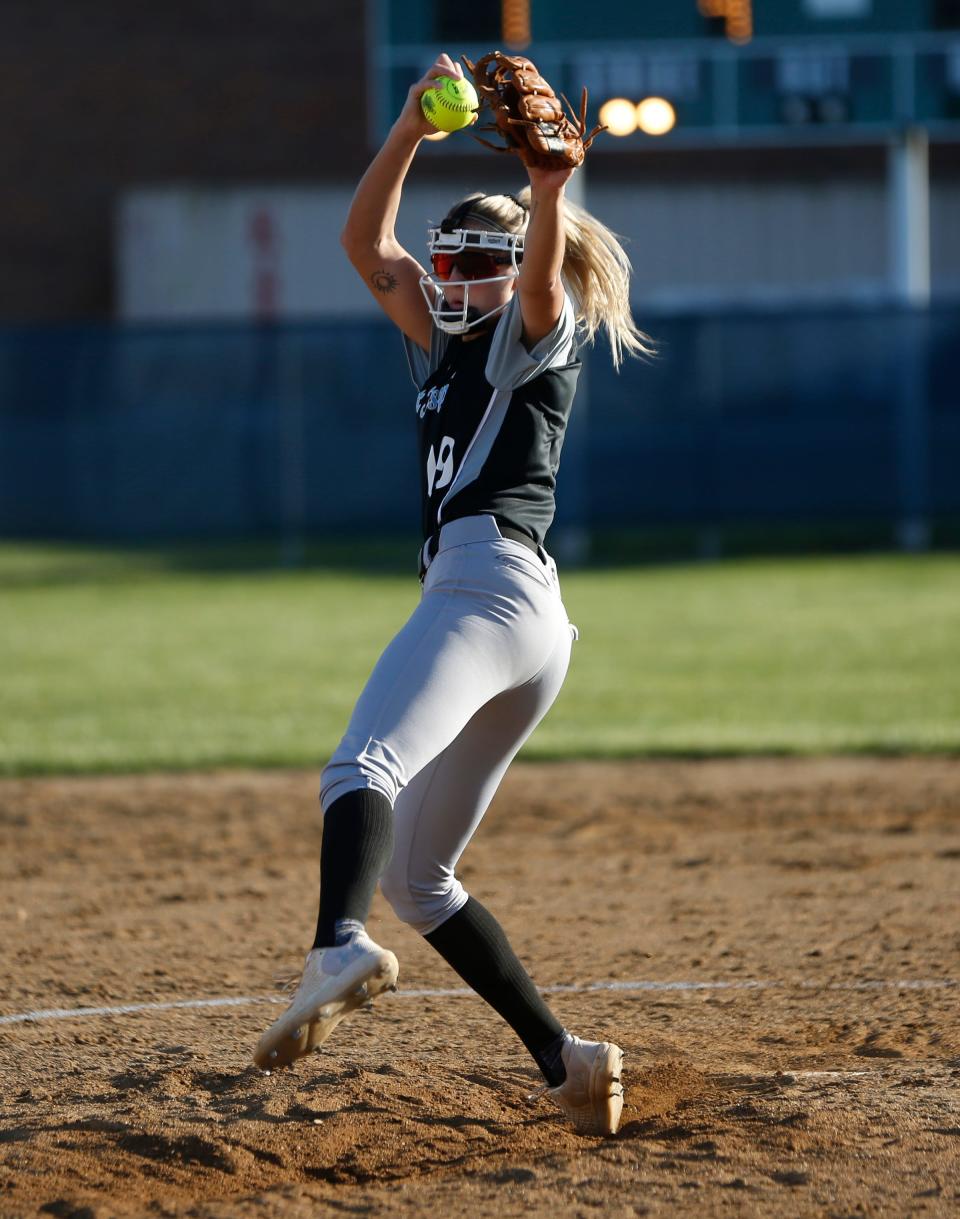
(592, 1095)
(335, 982)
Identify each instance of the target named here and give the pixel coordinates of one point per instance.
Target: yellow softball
(450, 105)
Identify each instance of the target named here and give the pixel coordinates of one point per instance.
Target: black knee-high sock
(474, 944)
(357, 845)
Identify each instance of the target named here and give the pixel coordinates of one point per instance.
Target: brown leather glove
(528, 114)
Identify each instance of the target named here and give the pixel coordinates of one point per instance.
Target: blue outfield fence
(112, 433)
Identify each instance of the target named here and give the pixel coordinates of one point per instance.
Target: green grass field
(140, 660)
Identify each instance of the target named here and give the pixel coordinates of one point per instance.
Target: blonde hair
(596, 268)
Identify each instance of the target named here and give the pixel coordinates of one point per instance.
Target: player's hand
(412, 118)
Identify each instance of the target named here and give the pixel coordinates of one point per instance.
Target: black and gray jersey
(491, 418)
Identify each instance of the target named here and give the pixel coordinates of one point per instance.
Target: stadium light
(619, 116)
(655, 116)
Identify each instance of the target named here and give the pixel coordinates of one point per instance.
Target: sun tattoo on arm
(384, 281)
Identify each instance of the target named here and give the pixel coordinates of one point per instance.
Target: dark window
(714, 27)
(946, 14)
(468, 22)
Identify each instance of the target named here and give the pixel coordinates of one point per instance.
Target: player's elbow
(360, 247)
(350, 241)
(357, 242)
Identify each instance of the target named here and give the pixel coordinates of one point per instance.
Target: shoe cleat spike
(361, 991)
(296, 1035)
(273, 1054)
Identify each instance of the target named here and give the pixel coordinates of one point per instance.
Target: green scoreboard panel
(561, 21)
(813, 71)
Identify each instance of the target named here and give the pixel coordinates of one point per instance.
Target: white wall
(195, 253)
(191, 253)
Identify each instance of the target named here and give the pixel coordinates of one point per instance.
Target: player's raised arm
(540, 286)
(389, 271)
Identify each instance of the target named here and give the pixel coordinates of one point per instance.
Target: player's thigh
(438, 812)
(443, 665)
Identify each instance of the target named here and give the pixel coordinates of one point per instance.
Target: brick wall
(101, 94)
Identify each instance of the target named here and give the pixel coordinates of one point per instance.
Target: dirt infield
(814, 1070)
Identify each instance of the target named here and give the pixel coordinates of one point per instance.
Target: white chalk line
(126, 1009)
(834, 1074)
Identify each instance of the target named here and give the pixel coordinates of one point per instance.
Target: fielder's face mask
(467, 257)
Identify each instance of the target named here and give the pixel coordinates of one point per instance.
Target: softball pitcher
(491, 336)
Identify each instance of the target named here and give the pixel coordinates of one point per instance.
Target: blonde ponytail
(597, 272)
(596, 269)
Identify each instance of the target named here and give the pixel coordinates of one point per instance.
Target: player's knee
(353, 767)
(397, 893)
(423, 906)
